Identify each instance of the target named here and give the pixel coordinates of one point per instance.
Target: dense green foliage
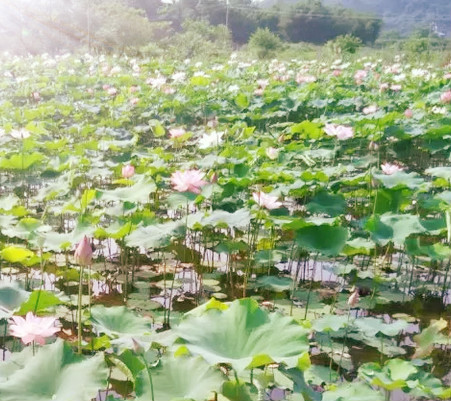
(312, 198)
(125, 25)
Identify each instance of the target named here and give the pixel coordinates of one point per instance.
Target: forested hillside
(405, 16)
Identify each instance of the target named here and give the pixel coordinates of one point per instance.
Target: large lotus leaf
(392, 376)
(182, 378)
(331, 323)
(330, 204)
(239, 219)
(442, 172)
(393, 227)
(355, 391)
(274, 283)
(400, 179)
(11, 297)
(55, 373)
(324, 239)
(243, 335)
(118, 321)
(358, 246)
(372, 325)
(39, 301)
(157, 235)
(136, 193)
(428, 337)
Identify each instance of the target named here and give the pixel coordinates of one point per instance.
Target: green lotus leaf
(181, 378)
(39, 301)
(400, 179)
(330, 204)
(324, 239)
(118, 321)
(55, 373)
(393, 375)
(136, 193)
(242, 334)
(355, 391)
(442, 172)
(16, 254)
(393, 227)
(274, 283)
(11, 297)
(331, 323)
(239, 219)
(428, 337)
(157, 235)
(372, 325)
(358, 246)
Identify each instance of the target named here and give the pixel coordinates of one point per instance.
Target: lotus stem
(79, 311)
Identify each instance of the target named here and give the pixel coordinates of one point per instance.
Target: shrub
(265, 43)
(344, 44)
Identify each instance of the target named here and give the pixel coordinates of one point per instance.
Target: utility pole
(227, 14)
(88, 12)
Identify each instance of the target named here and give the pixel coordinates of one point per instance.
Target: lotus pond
(240, 231)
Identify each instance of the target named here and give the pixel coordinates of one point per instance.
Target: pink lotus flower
(188, 181)
(445, 97)
(267, 201)
(259, 92)
(369, 109)
(36, 96)
(396, 88)
(33, 328)
(176, 132)
(112, 91)
(389, 168)
(262, 83)
(134, 101)
(383, 87)
(342, 132)
(301, 79)
(83, 253)
(408, 113)
(359, 76)
(134, 88)
(272, 153)
(336, 73)
(128, 171)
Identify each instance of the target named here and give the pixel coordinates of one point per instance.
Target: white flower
(267, 201)
(20, 133)
(342, 132)
(389, 168)
(211, 139)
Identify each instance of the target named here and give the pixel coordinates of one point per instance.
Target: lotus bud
(128, 171)
(354, 298)
(214, 178)
(83, 253)
(373, 146)
(408, 113)
(137, 347)
(281, 138)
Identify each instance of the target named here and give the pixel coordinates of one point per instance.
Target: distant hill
(405, 16)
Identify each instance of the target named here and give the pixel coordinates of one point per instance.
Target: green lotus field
(244, 231)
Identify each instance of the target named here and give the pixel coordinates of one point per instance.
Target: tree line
(116, 25)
